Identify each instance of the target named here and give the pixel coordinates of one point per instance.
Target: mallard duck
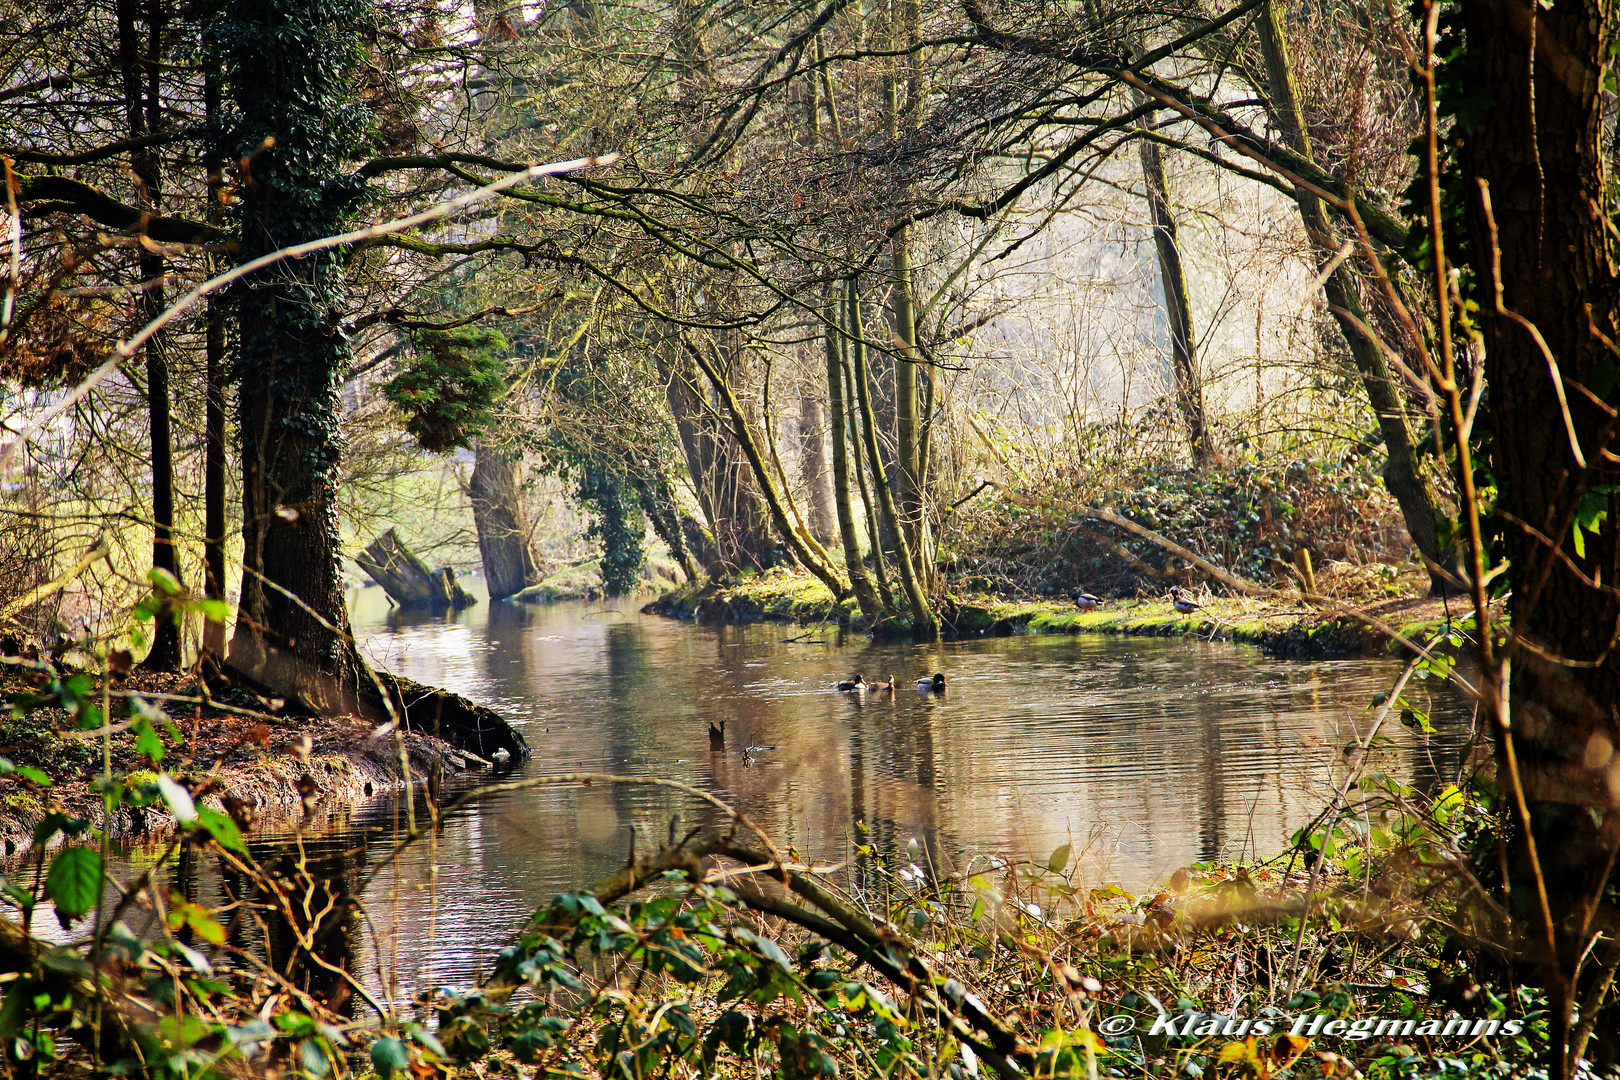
(1183, 603)
(882, 687)
(856, 684)
(1086, 601)
(936, 685)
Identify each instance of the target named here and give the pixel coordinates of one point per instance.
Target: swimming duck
(1086, 601)
(1183, 603)
(856, 684)
(882, 687)
(936, 685)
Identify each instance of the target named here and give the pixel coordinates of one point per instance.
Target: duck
(1086, 601)
(1183, 603)
(857, 684)
(882, 687)
(936, 685)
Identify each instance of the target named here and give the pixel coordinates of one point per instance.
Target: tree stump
(407, 579)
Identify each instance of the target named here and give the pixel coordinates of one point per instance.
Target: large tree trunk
(1538, 156)
(287, 71)
(1403, 476)
(142, 106)
(1189, 387)
(502, 519)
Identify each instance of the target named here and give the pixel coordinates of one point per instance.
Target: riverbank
(1284, 626)
(234, 752)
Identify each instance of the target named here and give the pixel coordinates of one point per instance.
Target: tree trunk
(1403, 475)
(1189, 388)
(1544, 259)
(657, 498)
(911, 464)
(407, 579)
(802, 547)
(214, 361)
(924, 625)
(501, 517)
(740, 532)
(288, 71)
(142, 106)
(813, 468)
(859, 580)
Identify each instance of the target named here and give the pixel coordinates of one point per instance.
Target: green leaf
(222, 828)
(217, 611)
(29, 773)
(163, 581)
(148, 743)
(389, 1056)
(74, 882)
(1059, 859)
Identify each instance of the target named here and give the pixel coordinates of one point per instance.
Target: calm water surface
(1144, 754)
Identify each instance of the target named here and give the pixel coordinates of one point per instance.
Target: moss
(1289, 631)
(583, 581)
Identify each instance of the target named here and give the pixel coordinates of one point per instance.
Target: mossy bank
(1283, 625)
(232, 752)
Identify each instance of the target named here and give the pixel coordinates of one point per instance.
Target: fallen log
(407, 579)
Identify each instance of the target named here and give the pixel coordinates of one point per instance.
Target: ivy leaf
(74, 883)
(389, 1056)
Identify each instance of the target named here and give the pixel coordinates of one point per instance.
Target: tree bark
(818, 501)
(909, 428)
(1403, 475)
(142, 106)
(214, 375)
(1540, 202)
(288, 71)
(1189, 388)
(924, 625)
(859, 580)
(501, 517)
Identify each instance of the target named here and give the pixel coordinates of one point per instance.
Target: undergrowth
(1363, 950)
(1252, 520)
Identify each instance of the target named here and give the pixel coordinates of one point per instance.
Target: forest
(456, 459)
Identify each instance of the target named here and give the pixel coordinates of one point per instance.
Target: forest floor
(233, 751)
(1284, 625)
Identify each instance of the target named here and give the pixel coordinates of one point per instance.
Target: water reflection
(1143, 754)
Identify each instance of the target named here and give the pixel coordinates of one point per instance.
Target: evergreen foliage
(447, 391)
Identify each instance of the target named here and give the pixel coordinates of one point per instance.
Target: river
(1143, 754)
